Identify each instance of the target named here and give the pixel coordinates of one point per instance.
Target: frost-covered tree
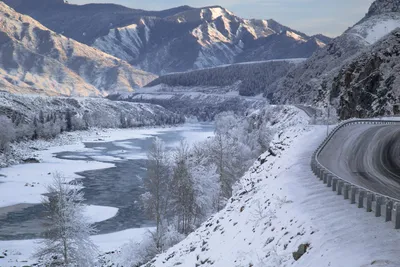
(225, 153)
(68, 120)
(182, 191)
(138, 253)
(155, 200)
(206, 186)
(67, 239)
(7, 132)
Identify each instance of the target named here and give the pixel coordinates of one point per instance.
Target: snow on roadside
(281, 205)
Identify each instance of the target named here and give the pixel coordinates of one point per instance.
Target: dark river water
(119, 186)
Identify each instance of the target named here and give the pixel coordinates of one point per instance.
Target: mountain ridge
(182, 38)
(37, 60)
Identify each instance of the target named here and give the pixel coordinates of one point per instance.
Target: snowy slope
(37, 60)
(281, 205)
(375, 27)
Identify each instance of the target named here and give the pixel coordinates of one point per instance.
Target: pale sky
(330, 17)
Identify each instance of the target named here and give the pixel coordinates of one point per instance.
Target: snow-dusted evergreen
(7, 133)
(67, 239)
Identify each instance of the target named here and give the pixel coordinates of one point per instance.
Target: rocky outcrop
(307, 82)
(369, 85)
(383, 6)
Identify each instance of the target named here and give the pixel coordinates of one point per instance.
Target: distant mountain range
(174, 40)
(34, 59)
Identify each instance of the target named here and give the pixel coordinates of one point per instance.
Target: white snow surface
(99, 213)
(19, 253)
(280, 205)
(376, 27)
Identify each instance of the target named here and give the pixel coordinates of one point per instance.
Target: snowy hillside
(37, 60)
(202, 103)
(279, 207)
(181, 39)
(252, 78)
(375, 27)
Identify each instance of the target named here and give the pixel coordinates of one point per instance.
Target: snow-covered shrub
(7, 133)
(136, 254)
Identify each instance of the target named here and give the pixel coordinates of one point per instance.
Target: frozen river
(112, 181)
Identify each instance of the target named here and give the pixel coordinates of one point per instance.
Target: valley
(196, 136)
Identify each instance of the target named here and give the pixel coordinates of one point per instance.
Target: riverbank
(22, 186)
(25, 183)
(28, 151)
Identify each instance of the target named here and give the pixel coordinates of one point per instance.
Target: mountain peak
(57, 65)
(383, 6)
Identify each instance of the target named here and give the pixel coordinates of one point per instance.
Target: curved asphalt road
(310, 111)
(366, 155)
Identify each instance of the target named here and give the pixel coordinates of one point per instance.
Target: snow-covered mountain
(311, 82)
(201, 38)
(36, 60)
(173, 40)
